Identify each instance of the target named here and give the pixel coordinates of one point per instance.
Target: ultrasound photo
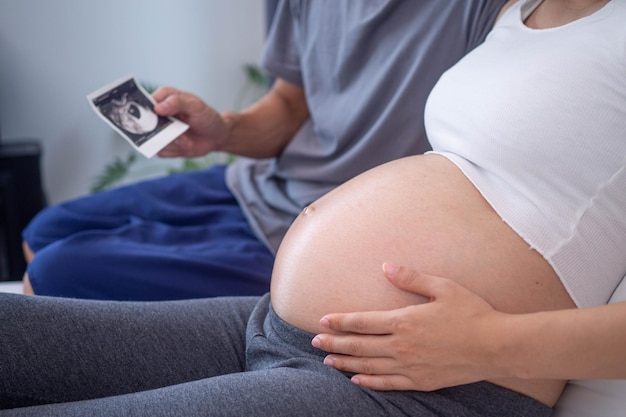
(128, 108)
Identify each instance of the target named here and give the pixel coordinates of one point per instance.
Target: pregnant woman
(521, 201)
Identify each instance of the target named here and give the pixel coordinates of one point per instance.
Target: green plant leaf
(149, 87)
(113, 173)
(255, 75)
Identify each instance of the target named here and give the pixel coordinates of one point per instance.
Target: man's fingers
(180, 147)
(173, 102)
(168, 105)
(162, 92)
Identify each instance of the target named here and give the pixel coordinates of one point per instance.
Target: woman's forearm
(587, 343)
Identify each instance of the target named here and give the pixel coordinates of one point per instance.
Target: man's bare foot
(27, 288)
(28, 252)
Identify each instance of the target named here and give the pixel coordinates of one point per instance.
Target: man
(352, 79)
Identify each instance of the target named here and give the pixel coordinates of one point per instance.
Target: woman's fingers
(353, 345)
(423, 347)
(370, 322)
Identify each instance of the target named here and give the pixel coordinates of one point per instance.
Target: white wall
(54, 52)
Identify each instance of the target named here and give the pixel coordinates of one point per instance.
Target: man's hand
(260, 131)
(442, 343)
(207, 129)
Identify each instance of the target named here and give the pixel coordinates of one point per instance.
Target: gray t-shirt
(367, 67)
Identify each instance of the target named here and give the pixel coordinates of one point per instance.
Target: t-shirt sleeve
(280, 56)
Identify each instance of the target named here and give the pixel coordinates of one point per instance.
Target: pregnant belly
(420, 212)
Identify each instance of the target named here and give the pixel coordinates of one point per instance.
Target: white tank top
(536, 119)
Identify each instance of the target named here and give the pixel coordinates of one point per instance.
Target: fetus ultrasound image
(130, 110)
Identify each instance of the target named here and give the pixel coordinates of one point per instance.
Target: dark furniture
(21, 197)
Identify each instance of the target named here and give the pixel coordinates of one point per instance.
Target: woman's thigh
(293, 391)
(60, 350)
(273, 392)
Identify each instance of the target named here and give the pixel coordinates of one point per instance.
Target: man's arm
(458, 338)
(260, 131)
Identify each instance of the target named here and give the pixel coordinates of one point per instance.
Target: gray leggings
(212, 357)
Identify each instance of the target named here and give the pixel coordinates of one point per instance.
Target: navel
(308, 210)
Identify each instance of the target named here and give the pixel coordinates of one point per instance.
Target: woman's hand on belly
(439, 344)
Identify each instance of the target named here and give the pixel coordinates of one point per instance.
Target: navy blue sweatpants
(176, 237)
